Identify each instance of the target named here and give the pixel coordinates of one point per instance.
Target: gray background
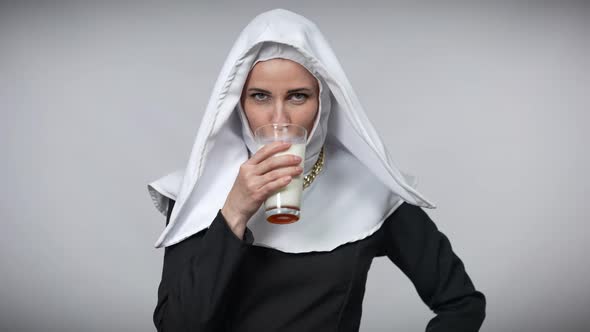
(486, 103)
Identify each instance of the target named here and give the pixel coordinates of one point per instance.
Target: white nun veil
(359, 186)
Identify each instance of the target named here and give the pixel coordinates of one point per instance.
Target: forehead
(279, 72)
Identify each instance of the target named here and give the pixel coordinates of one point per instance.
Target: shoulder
(409, 227)
(407, 213)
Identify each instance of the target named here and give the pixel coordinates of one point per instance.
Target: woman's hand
(259, 177)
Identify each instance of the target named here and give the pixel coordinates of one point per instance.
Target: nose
(279, 115)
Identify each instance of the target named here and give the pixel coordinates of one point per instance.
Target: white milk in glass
(287, 200)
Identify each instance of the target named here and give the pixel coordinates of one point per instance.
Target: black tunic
(214, 281)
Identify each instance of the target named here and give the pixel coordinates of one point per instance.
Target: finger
(275, 185)
(292, 171)
(276, 162)
(268, 150)
(282, 172)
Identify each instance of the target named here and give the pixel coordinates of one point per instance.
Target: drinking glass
(284, 205)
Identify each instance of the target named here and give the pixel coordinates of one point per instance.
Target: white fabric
(358, 188)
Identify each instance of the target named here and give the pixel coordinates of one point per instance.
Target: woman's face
(280, 90)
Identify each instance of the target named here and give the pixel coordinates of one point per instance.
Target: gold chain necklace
(317, 167)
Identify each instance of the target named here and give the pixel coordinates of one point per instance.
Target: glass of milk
(284, 205)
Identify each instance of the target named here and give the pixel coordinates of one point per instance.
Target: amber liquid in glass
(283, 218)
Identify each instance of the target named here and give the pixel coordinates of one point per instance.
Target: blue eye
(259, 96)
(299, 97)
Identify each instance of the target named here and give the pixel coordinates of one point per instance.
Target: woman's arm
(425, 256)
(197, 278)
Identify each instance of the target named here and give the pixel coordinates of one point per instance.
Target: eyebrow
(290, 91)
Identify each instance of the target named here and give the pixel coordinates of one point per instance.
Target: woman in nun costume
(228, 269)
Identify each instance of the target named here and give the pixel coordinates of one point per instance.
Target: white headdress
(359, 185)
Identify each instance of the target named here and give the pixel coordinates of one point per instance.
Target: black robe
(214, 281)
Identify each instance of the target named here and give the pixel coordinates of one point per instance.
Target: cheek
(308, 116)
(312, 112)
(254, 112)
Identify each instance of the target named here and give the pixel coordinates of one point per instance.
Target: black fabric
(214, 281)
